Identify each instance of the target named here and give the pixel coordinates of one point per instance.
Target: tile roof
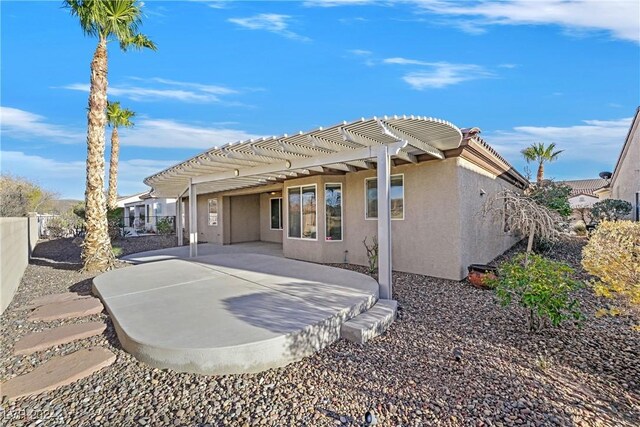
(585, 186)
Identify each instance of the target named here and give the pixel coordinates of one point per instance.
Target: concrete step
(67, 309)
(57, 372)
(57, 336)
(371, 323)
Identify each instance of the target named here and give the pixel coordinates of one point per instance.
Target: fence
(18, 237)
(131, 226)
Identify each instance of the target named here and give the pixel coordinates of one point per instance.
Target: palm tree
(113, 20)
(538, 152)
(116, 117)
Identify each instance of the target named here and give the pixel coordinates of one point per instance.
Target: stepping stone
(53, 298)
(57, 336)
(67, 309)
(57, 372)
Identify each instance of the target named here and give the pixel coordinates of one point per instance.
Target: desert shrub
(165, 226)
(611, 210)
(372, 254)
(114, 220)
(542, 286)
(580, 228)
(552, 195)
(613, 256)
(58, 227)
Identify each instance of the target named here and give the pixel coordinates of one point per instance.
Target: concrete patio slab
(57, 336)
(57, 372)
(67, 309)
(206, 249)
(231, 313)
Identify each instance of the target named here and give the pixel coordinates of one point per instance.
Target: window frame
(215, 224)
(341, 211)
(281, 218)
(365, 197)
(315, 189)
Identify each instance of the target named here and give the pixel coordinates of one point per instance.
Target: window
(276, 213)
(157, 208)
(213, 211)
(333, 211)
(148, 215)
(397, 197)
(302, 212)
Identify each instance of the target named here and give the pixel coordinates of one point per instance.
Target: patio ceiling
(344, 147)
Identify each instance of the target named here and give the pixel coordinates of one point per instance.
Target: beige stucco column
(193, 220)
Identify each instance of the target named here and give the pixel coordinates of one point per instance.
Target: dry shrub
(613, 256)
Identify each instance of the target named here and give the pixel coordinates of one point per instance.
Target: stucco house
(143, 211)
(418, 183)
(625, 180)
(583, 191)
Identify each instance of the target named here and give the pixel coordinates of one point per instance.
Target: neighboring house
(316, 194)
(583, 191)
(143, 211)
(122, 201)
(625, 180)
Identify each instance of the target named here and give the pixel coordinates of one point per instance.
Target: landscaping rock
(67, 309)
(57, 336)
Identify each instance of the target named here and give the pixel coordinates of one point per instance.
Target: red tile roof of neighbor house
(585, 186)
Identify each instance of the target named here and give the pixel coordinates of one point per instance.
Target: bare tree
(19, 196)
(521, 214)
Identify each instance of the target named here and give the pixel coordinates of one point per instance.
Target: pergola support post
(385, 266)
(193, 220)
(179, 224)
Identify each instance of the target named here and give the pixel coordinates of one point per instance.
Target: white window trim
(215, 224)
(365, 197)
(281, 214)
(341, 212)
(315, 186)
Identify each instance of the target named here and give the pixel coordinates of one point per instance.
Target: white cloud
(162, 133)
(360, 52)
(617, 17)
(147, 132)
(23, 124)
(68, 177)
(272, 22)
(167, 89)
(597, 140)
(438, 75)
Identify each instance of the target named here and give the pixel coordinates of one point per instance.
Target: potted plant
(480, 274)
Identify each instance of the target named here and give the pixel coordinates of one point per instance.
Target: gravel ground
(587, 376)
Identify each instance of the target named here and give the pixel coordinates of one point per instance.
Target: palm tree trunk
(540, 176)
(113, 169)
(96, 249)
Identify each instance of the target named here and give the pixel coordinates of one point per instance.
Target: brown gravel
(588, 376)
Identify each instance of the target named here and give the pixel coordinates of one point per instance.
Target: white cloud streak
(271, 22)
(21, 124)
(166, 90)
(438, 75)
(618, 18)
(596, 140)
(147, 132)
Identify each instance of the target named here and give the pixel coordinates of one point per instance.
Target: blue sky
(523, 71)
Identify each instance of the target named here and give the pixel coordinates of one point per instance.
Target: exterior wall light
(236, 172)
(287, 164)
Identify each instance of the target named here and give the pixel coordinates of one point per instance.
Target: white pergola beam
(351, 136)
(399, 135)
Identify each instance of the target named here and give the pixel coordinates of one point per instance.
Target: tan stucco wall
(482, 239)
(627, 178)
(244, 216)
(14, 256)
(266, 233)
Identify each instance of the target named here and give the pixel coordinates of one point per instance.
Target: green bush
(542, 286)
(611, 209)
(552, 195)
(165, 226)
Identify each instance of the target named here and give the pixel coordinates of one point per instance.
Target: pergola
(345, 147)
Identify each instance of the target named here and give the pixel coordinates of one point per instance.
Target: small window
(302, 212)
(333, 210)
(397, 197)
(276, 213)
(213, 211)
